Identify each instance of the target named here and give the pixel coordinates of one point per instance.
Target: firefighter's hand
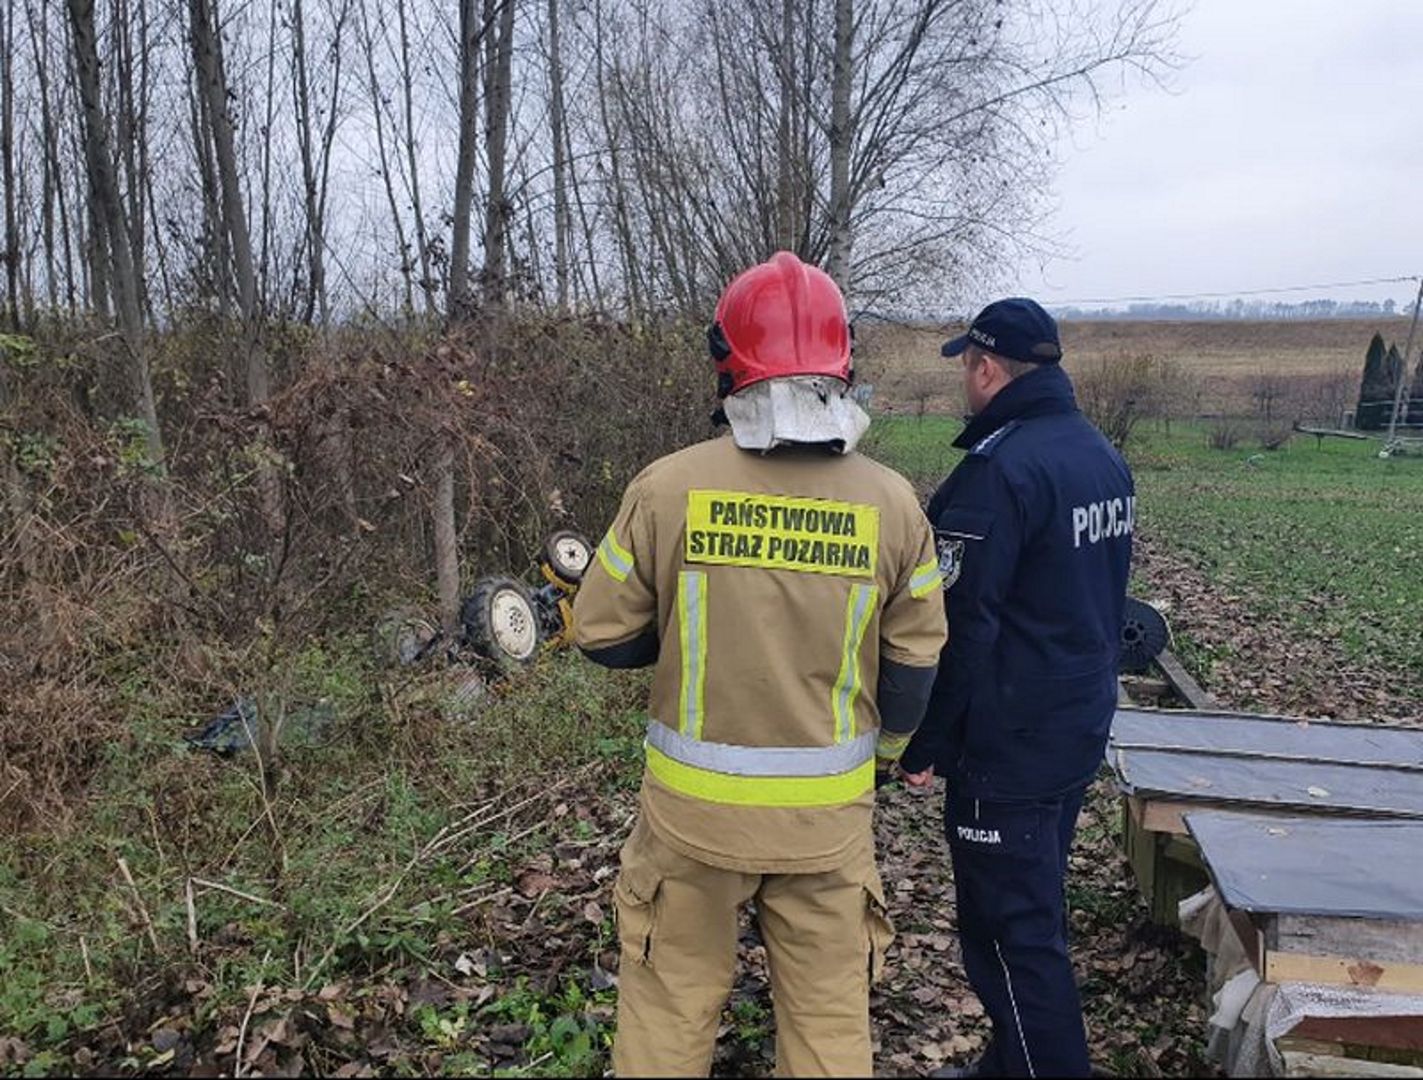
(918, 779)
(889, 774)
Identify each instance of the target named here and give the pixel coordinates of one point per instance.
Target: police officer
(1034, 533)
(787, 591)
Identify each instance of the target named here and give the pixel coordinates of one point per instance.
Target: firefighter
(786, 590)
(1034, 531)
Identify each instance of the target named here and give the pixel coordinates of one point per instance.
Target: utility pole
(1403, 380)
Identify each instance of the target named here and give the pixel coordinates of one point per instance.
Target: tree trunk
(207, 61)
(785, 132)
(109, 221)
(315, 230)
(213, 250)
(428, 284)
(562, 223)
(841, 139)
(132, 136)
(207, 58)
(51, 178)
(388, 182)
(498, 72)
(458, 297)
(447, 564)
(7, 152)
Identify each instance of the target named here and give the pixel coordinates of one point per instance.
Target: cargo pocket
(878, 928)
(635, 899)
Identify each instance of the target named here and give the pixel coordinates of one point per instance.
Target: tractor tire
(501, 622)
(567, 555)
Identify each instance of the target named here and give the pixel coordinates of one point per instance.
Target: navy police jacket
(1034, 531)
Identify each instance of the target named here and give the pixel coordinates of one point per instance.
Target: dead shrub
(53, 733)
(1274, 434)
(1225, 433)
(1117, 393)
(550, 417)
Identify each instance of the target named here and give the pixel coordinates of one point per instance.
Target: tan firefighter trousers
(825, 938)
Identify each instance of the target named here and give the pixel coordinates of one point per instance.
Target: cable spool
(1144, 635)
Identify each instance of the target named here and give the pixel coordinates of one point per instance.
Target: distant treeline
(1239, 309)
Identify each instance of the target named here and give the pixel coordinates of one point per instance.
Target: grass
(1322, 538)
(345, 818)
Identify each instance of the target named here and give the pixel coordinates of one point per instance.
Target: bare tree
(558, 124)
(498, 72)
(108, 215)
(316, 152)
(841, 139)
(7, 161)
(206, 44)
(428, 284)
(470, 27)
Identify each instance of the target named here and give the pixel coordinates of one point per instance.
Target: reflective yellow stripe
(847, 684)
(761, 790)
(692, 623)
(616, 559)
(891, 747)
(925, 579)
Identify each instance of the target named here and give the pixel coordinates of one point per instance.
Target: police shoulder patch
(950, 559)
(990, 442)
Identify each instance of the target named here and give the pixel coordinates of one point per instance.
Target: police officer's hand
(918, 779)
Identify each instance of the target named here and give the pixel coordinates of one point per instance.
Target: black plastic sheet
(1258, 761)
(1313, 866)
(1219, 732)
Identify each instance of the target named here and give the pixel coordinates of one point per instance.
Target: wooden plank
(1182, 682)
(1142, 688)
(1380, 940)
(1251, 939)
(1389, 1032)
(1167, 868)
(1140, 847)
(1340, 971)
(1328, 1065)
(1167, 815)
(1331, 433)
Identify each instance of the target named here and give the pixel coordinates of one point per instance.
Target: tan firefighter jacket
(774, 584)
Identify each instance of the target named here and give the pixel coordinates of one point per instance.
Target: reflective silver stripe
(1013, 1001)
(924, 581)
(616, 559)
(847, 686)
(692, 620)
(761, 760)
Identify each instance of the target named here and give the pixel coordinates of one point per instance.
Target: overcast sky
(1288, 151)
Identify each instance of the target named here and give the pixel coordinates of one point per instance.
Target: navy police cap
(1016, 328)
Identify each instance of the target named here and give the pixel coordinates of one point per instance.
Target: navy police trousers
(1010, 860)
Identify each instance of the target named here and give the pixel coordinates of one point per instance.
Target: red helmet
(782, 317)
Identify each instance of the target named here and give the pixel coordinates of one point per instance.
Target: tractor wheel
(500, 621)
(568, 554)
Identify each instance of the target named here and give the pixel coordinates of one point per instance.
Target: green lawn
(1327, 537)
